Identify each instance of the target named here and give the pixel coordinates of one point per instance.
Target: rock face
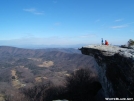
(116, 69)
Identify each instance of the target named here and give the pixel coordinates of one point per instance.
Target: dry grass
(2, 97)
(13, 73)
(67, 74)
(39, 79)
(46, 64)
(45, 77)
(15, 82)
(35, 59)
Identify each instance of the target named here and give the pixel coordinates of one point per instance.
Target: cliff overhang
(116, 69)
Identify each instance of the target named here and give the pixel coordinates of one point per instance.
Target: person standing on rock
(106, 42)
(102, 41)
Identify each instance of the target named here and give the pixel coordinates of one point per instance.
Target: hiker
(106, 42)
(102, 41)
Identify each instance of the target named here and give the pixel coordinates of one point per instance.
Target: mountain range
(27, 67)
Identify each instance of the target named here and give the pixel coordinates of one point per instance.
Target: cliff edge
(116, 69)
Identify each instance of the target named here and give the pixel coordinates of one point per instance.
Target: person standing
(102, 41)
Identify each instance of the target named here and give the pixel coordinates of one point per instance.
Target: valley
(24, 68)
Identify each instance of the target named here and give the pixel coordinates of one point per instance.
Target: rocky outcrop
(116, 69)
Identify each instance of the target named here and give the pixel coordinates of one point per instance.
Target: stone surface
(116, 69)
(132, 47)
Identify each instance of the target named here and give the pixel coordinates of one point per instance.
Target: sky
(65, 22)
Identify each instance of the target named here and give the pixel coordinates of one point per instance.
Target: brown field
(46, 64)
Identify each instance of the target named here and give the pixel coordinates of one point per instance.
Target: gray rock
(111, 50)
(131, 47)
(116, 69)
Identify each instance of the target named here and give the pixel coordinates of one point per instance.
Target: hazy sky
(65, 22)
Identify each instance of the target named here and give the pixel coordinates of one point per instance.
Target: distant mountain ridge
(59, 56)
(32, 52)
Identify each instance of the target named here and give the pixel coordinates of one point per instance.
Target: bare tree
(82, 85)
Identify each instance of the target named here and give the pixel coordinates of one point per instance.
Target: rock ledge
(111, 50)
(116, 69)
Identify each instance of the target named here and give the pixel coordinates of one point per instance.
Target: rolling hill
(27, 67)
